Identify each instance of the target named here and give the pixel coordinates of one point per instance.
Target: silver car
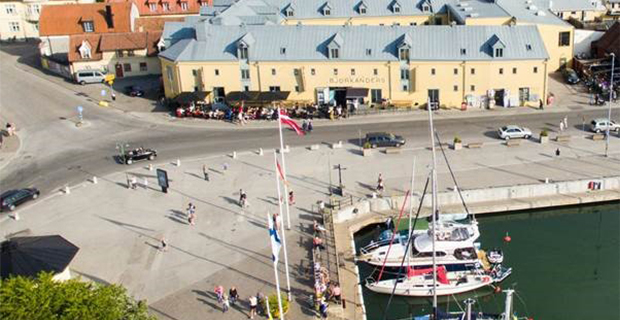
(600, 125)
(513, 132)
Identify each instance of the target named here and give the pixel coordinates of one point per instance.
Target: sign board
(162, 178)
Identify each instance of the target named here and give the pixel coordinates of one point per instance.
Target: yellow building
(405, 66)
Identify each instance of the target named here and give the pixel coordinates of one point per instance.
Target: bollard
(260, 151)
(234, 155)
(16, 216)
(94, 180)
(67, 189)
(150, 167)
(546, 180)
(178, 162)
(146, 183)
(374, 195)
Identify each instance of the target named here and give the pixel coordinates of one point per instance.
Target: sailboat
(437, 280)
(469, 314)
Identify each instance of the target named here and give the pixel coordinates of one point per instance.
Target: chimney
(108, 16)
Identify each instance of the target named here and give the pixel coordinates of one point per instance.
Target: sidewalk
(118, 229)
(10, 148)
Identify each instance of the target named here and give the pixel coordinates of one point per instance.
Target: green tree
(23, 298)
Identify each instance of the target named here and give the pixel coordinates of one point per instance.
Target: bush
(457, 139)
(544, 133)
(273, 305)
(43, 298)
(366, 145)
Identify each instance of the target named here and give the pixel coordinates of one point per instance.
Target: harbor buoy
(498, 289)
(507, 238)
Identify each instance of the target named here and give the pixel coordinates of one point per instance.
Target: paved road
(55, 152)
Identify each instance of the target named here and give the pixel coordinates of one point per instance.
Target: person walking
(557, 152)
(219, 292)
(205, 172)
(190, 209)
(291, 198)
(233, 294)
(565, 122)
(310, 126)
(304, 126)
(380, 186)
(225, 303)
(562, 126)
(192, 219)
(242, 198)
(253, 304)
(163, 244)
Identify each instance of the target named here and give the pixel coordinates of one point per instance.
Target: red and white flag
(285, 119)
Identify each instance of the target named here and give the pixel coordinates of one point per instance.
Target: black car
(138, 155)
(11, 199)
(134, 91)
(384, 139)
(570, 76)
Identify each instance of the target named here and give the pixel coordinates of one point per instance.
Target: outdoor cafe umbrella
(27, 256)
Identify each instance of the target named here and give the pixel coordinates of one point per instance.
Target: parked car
(600, 125)
(513, 132)
(93, 76)
(11, 199)
(134, 91)
(570, 76)
(138, 155)
(384, 139)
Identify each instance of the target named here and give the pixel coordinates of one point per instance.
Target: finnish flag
(276, 244)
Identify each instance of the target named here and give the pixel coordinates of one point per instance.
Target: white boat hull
(418, 287)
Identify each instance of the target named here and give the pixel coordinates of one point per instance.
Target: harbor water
(566, 265)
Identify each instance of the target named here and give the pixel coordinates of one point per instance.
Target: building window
(119, 53)
(405, 87)
(473, 71)
(217, 72)
(194, 72)
(396, 8)
(88, 26)
(327, 11)
(333, 53)
(375, 95)
(352, 72)
(514, 70)
(143, 67)
(564, 39)
(404, 74)
(10, 9)
(425, 8)
(130, 53)
(403, 54)
(14, 26)
(375, 72)
(245, 74)
(362, 10)
(456, 71)
(282, 50)
(433, 71)
(274, 89)
(312, 71)
(195, 89)
(501, 70)
(153, 7)
(463, 51)
(295, 72)
(166, 6)
(335, 72)
(456, 88)
(289, 12)
(413, 23)
(246, 88)
(535, 69)
(528, 47)
(297, 89)
(170, 73)
(273, 72)
(127, 67)
(499, 52)
(243, 52)
(368, 52)
(472, 88)
(184, 6)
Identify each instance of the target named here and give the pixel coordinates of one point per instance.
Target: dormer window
(242, 47)
(153, 7)
(426, 8)
(463, 51)
(85, 50)
(528, 47)
(327, 9)
(243, 52)
(395, 7)
(88, 26)
(361, 8)
(184, 6)
(334, 53)
(403, 48)
(403, 53)
(499, 52)
(282, 50)
(368, 52)
(166, 6)
(161, 45)
(289, 12)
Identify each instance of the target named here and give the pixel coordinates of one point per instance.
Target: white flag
(276, 244)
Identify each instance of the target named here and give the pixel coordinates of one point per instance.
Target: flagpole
(288, 279)
(275, 270)
(288, 213)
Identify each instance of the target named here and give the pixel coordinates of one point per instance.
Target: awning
(357, 92)
(256, 97)
(27, 256)
(188, 97)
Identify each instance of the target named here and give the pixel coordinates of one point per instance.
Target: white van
(92, 76)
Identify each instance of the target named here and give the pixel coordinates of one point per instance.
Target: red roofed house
(97, 36)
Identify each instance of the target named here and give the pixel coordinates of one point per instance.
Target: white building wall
(583, 39)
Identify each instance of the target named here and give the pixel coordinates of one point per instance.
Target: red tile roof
(67, 19)
(154, 23)
(175, 6)
(111, 42)
(75, 41)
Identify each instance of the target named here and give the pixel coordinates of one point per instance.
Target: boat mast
(508, 307)
(411, 211)
(434, 206)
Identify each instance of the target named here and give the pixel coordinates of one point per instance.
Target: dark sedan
(134, 91)
(384, 139)
(570, 76)
(138, 155)
(11, 199)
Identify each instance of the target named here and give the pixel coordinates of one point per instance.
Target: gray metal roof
(309, 43)
(309, 9)
(574, 5)
(461, 10)
(532, 11)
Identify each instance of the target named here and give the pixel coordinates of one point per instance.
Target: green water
(566, 265)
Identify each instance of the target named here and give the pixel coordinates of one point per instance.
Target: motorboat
(469, 314)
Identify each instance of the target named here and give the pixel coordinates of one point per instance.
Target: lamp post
(340, 168)
(611, 91)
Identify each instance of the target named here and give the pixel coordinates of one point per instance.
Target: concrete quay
(118, 229)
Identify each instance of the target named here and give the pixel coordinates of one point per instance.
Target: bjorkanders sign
(355, 80)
